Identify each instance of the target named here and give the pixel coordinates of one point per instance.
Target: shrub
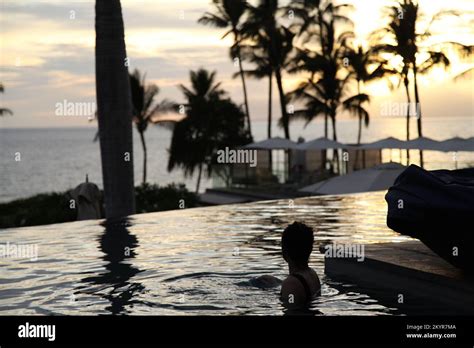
(150, 197)
(51, 208)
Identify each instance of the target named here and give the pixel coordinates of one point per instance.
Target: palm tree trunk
(417, 101)
(407, 90)
(269, 126)
(359, 133)
(142, 138)
(359, 137)
(269, 129)
(325, 152)
(326, 126)
(284, 113)
(199, 178)
(322, 42)
(244, 86)
(334, 136)
(418, 111)
(242, 78)
(114, 109)
(323, 49)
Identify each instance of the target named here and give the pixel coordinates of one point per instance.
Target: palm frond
(5, 111)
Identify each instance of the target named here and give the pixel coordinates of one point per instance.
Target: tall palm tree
(314, 64)
(114, 109)
(4, 111)
(314, 24)
(361, 64)
(409, 42)
(263, 27)
(212, 122)
(312, 17)
(466, 52)
(229, 14)
(257, 55)
(398, 46)
(325, 92)
(327, 95)
(366, 66)
(401, 74)
(145, 107)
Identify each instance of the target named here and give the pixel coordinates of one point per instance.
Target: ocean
(43, 160)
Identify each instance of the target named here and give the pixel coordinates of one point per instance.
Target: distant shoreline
(342, 119)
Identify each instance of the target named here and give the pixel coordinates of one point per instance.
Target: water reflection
(188, 262)
(118, 246)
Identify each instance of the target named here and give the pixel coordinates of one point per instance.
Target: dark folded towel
(436, 207)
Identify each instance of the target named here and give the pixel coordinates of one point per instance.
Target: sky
(47, 57)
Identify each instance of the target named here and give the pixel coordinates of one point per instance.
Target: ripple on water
(187, 262)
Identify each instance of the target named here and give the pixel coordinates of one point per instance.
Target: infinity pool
(187, 262)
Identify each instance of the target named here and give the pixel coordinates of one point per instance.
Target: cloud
(47, 56)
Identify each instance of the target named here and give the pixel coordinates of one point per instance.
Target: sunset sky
(47, 56)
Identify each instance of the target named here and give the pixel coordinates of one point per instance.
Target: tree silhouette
(145, 107)
(212, 123)
(4, 111)
(114, 110)
(229, 14)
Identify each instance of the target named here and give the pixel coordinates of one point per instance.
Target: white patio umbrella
(457, 144)
(422, 143)
(322, 144)
(276, 143)
(387, 143)
(377, 178)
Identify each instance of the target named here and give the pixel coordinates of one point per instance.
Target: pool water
(187, 262)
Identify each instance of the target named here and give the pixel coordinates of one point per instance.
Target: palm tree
(263, 28)
(310, 16)
(361, 64)
(401, 73)
(326, 95)
(409, 42)
(398, 46)
(229, 14)
(114, 109)
(325, 92)
(257, 55)
(212, 122)
(314, 24)
(465, 52)
(145, 107)
(4, 111)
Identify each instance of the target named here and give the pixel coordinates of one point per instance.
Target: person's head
(297, 244)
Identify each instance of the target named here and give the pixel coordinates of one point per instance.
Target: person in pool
(302, 284)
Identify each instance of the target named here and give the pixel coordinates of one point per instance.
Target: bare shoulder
(292, 291)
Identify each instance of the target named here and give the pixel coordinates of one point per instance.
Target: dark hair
(297, 243)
